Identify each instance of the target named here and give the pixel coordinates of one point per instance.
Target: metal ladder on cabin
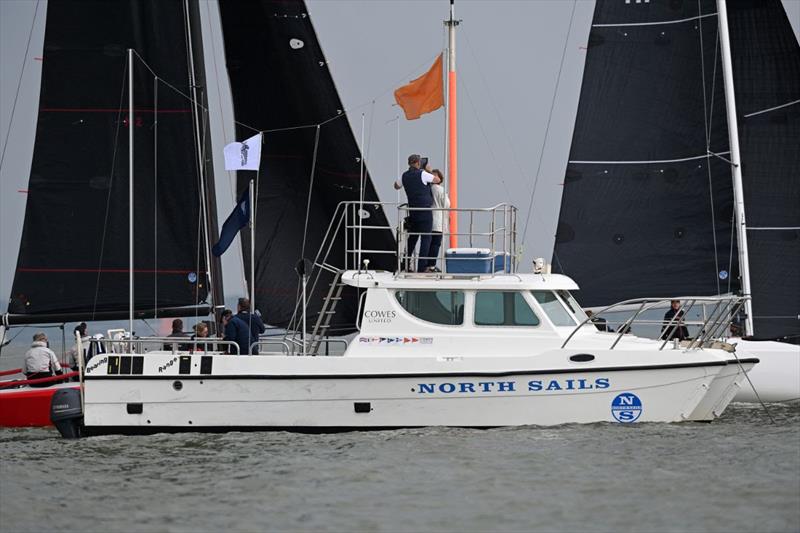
(332, 299)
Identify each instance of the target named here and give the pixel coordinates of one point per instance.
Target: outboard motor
(66, 413)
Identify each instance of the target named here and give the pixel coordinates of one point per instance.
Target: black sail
(280, 79)
(766, 73)
(73, 258)
(645, 211)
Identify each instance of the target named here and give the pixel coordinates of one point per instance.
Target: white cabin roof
(515, 282)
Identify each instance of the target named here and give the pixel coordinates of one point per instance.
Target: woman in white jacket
(440, 219)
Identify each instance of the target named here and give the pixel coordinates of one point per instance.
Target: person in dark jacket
(673, 327)
(416, 182)
(177, 331)
(235, 331)
(255, 326)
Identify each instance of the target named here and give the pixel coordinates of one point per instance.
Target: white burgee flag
(245, 155)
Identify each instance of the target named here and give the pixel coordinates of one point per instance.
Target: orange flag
(424, 94)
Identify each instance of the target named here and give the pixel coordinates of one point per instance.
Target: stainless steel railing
(142, 345)
(490, 228)
(711, 327)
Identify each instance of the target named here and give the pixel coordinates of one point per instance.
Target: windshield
(554, 308)
(573, 305)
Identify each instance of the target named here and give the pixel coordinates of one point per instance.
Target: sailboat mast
(736, 166)
(130, 191)
(452, 130)
(207, 197)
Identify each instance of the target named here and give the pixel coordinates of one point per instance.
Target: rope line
(503, 127)
(110, 187)
(155, 197)
(499, 173)
(310, 189)
(19, 84)
(708, 150)
(787, 104)
(549, 120)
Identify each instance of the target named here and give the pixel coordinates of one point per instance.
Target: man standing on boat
(254, 327)
(41, 361)
(416, 181)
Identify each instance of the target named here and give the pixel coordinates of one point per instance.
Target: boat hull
(777, 375)
(28, 406)
(315, 397)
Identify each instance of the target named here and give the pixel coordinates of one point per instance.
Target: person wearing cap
(40, 360)
(416, 182)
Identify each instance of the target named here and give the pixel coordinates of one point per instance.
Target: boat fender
(66, 413)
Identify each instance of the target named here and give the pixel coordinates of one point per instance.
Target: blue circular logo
(723, 274)
(626, 407)
(192, 277)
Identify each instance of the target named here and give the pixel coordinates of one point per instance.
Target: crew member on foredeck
(41, 361)
(416, 182)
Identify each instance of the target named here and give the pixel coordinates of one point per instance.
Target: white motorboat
(441, 349)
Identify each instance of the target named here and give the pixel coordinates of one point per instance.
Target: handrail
(499, 236)
(38, 381)
(265, 342)
(138, 342)
(726, 308)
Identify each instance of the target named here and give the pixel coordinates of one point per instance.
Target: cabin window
(439, 307)
(553, 308)
(573, 305)
(495, 308)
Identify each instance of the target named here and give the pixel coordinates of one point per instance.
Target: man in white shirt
(41, 361)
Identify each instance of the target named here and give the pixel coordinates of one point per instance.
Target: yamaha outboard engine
(66, 413)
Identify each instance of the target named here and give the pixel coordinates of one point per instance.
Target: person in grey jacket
(41, 361)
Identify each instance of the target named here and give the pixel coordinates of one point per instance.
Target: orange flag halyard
(424, 94)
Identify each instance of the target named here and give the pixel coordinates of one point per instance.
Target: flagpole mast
(252, 248)
(451, 124)
(130, 192)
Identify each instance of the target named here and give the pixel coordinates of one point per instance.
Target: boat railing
(326, 343)
(711, 325)
(490, 230)
(143, 345)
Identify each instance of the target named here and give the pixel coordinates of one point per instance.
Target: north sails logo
(244, 150)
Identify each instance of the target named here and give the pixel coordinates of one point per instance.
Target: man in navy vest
(416, 182)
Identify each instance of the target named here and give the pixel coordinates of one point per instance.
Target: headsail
(766, 71)
(280, 79)
(73, 259)
(645, 210)
(647, 204)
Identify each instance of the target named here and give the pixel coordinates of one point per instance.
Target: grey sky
(509, 55)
